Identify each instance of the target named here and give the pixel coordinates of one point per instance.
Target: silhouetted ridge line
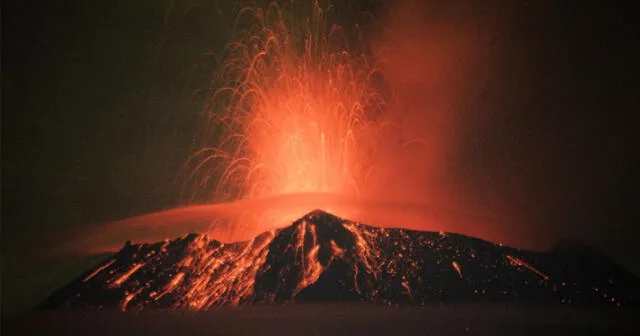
(321, 257)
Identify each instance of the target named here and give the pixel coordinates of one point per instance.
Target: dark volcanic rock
(323, 258)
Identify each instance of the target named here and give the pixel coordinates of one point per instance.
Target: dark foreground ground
(334, 319)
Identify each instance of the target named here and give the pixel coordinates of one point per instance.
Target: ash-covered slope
(324, 258)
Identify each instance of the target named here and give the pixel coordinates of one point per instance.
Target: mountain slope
(321, 257)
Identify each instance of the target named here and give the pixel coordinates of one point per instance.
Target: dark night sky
(100, 103)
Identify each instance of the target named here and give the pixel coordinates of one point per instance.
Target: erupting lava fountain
(297, 113)
(296, 121)
(298, 124)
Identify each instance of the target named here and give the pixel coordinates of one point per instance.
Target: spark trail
(296, 112)
(297, 121)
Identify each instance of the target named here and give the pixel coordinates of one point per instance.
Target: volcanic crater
(324, 258)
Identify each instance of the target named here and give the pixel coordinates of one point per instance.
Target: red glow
(296, 122)
(298, 112)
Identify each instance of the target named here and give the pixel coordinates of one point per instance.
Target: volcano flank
(323, 258)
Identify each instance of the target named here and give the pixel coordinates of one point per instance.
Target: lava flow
(323, 258)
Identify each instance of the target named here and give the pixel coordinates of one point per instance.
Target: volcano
(324, 258)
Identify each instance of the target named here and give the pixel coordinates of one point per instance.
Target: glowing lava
(297, 113)
(321, 258)
(297, 120)
(298, 125)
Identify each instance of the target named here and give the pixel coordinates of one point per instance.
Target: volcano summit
(323, 258)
